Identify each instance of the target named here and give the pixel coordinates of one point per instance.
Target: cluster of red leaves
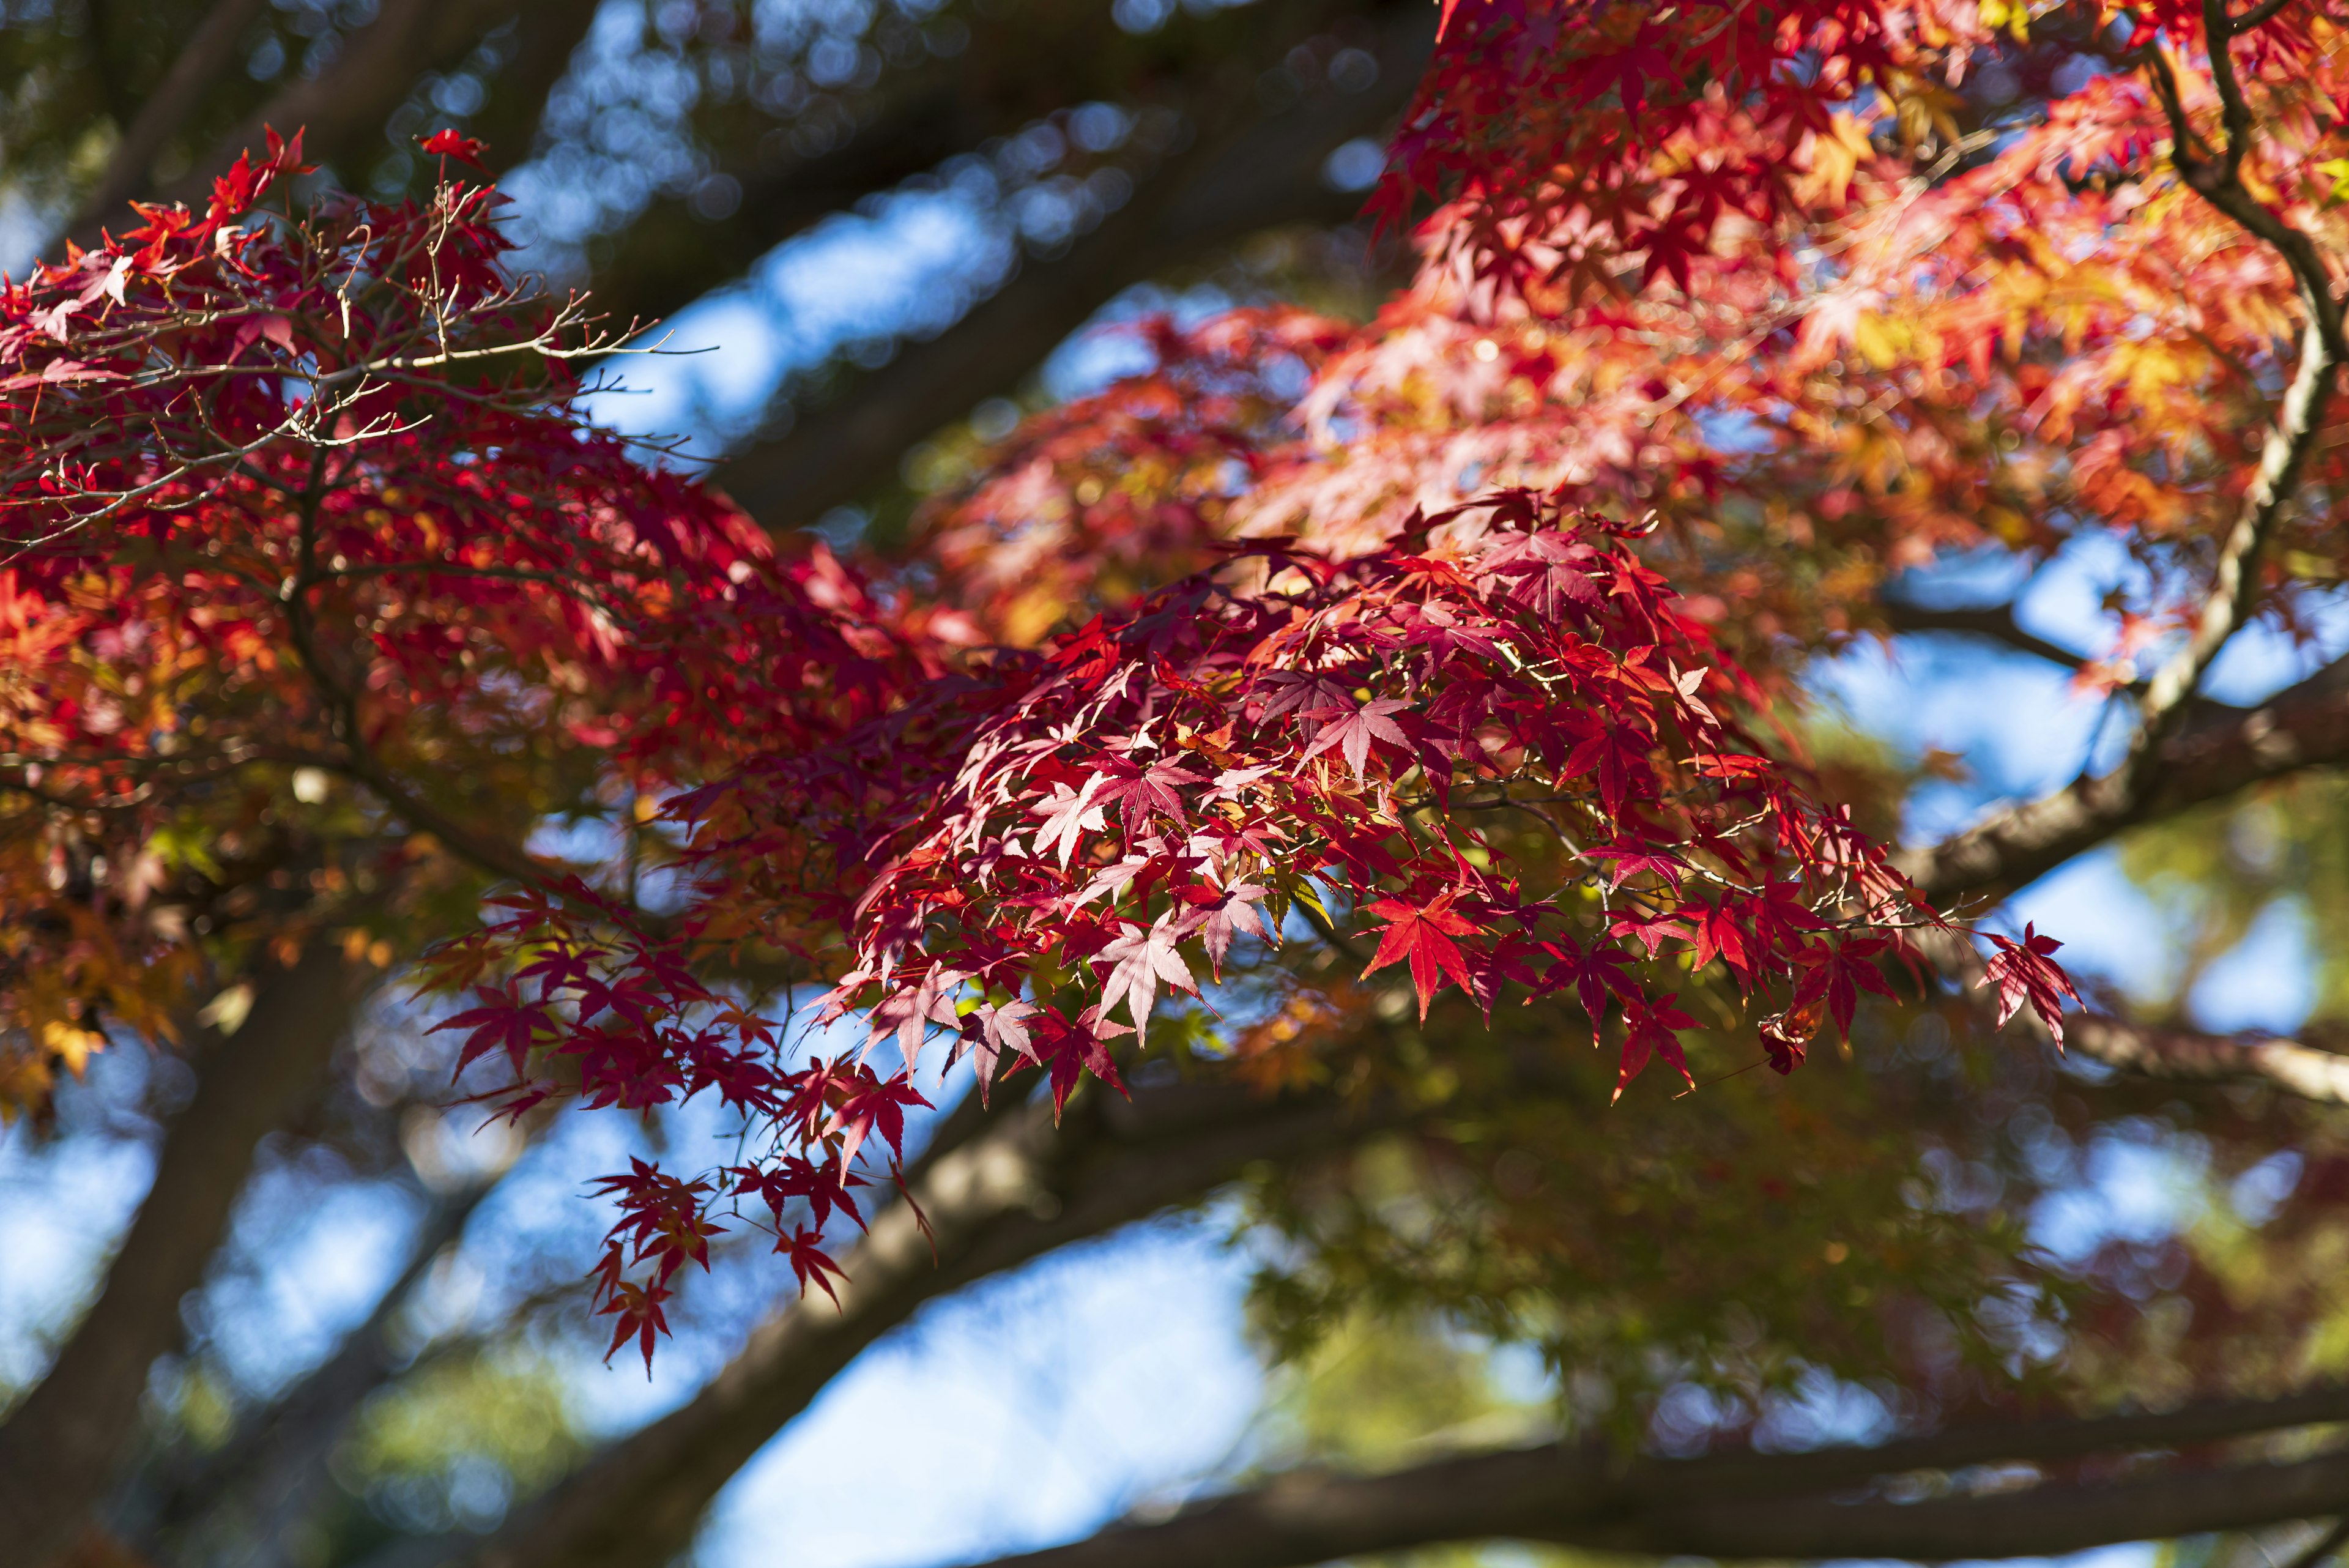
(1089, 501)
(1794, 276)
(1604, 129)
(1163, 784)
(292, 436)
(1017, 847)
(594, 1008)
(1019, 853)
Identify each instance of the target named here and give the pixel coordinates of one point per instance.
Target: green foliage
(2215, 871)
(1376, 1393)
(435, 1432)
(1741, 1238)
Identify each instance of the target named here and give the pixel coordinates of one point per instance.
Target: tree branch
(2175, 1055)
(271, 1470)
(490, 853)
(1995, 622)
(58, 1448)
(2184, 1056)
(1267, 173)
(343, 109)
(2323, 1547)
(1017, 67)
(2216, 751)
(1750, 1505)
(2258, 15)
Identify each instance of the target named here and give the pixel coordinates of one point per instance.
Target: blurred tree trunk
(59, 1447)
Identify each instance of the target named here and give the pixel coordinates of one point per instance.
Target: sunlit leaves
(2024, 972)
(1424, 937)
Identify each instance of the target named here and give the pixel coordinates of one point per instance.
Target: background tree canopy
(1082, 873)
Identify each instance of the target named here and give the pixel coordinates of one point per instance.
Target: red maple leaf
(464, 149)
(1136, 791)
(1355, 731)
(1594, 975)
(1140, 961)
(1424, 935)
(638, 1310)
(2026, 972)
(1630, 859)
(1654, 1029)
(879, 1104)
(809, 1261)
(1840, 973)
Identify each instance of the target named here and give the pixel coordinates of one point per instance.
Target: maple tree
(1397, 722)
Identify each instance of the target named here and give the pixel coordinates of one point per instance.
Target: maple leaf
(638, 1309)
(1139, 961)
(1595, 974)
(1074, 1048)
(1717, 931)
(1304, 695)
(2026, 972)
(505, 1021)
(1652, 1030)
(1111, 878)
(1231, 782)
(1688, 683)
(810, 1262)
(1839, 973)
(1354, 731)
(1133, 791)
(1619, 752)
(1546, 571)
(989, 1031)
(1424, 935)
(1235, 912)
(1654, 928)
(1630, 859)
(908, 1014)
(464, 149)
(1070, 814)
(796, 1176)
(876, 1105)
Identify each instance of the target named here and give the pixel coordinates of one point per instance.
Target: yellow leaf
(1873, 342)
(71, 1044)
(228, 1010)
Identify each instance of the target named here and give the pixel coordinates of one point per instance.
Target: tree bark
(271, 1472)
(59, 1447)
(1018, 68)
(2217, 752)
